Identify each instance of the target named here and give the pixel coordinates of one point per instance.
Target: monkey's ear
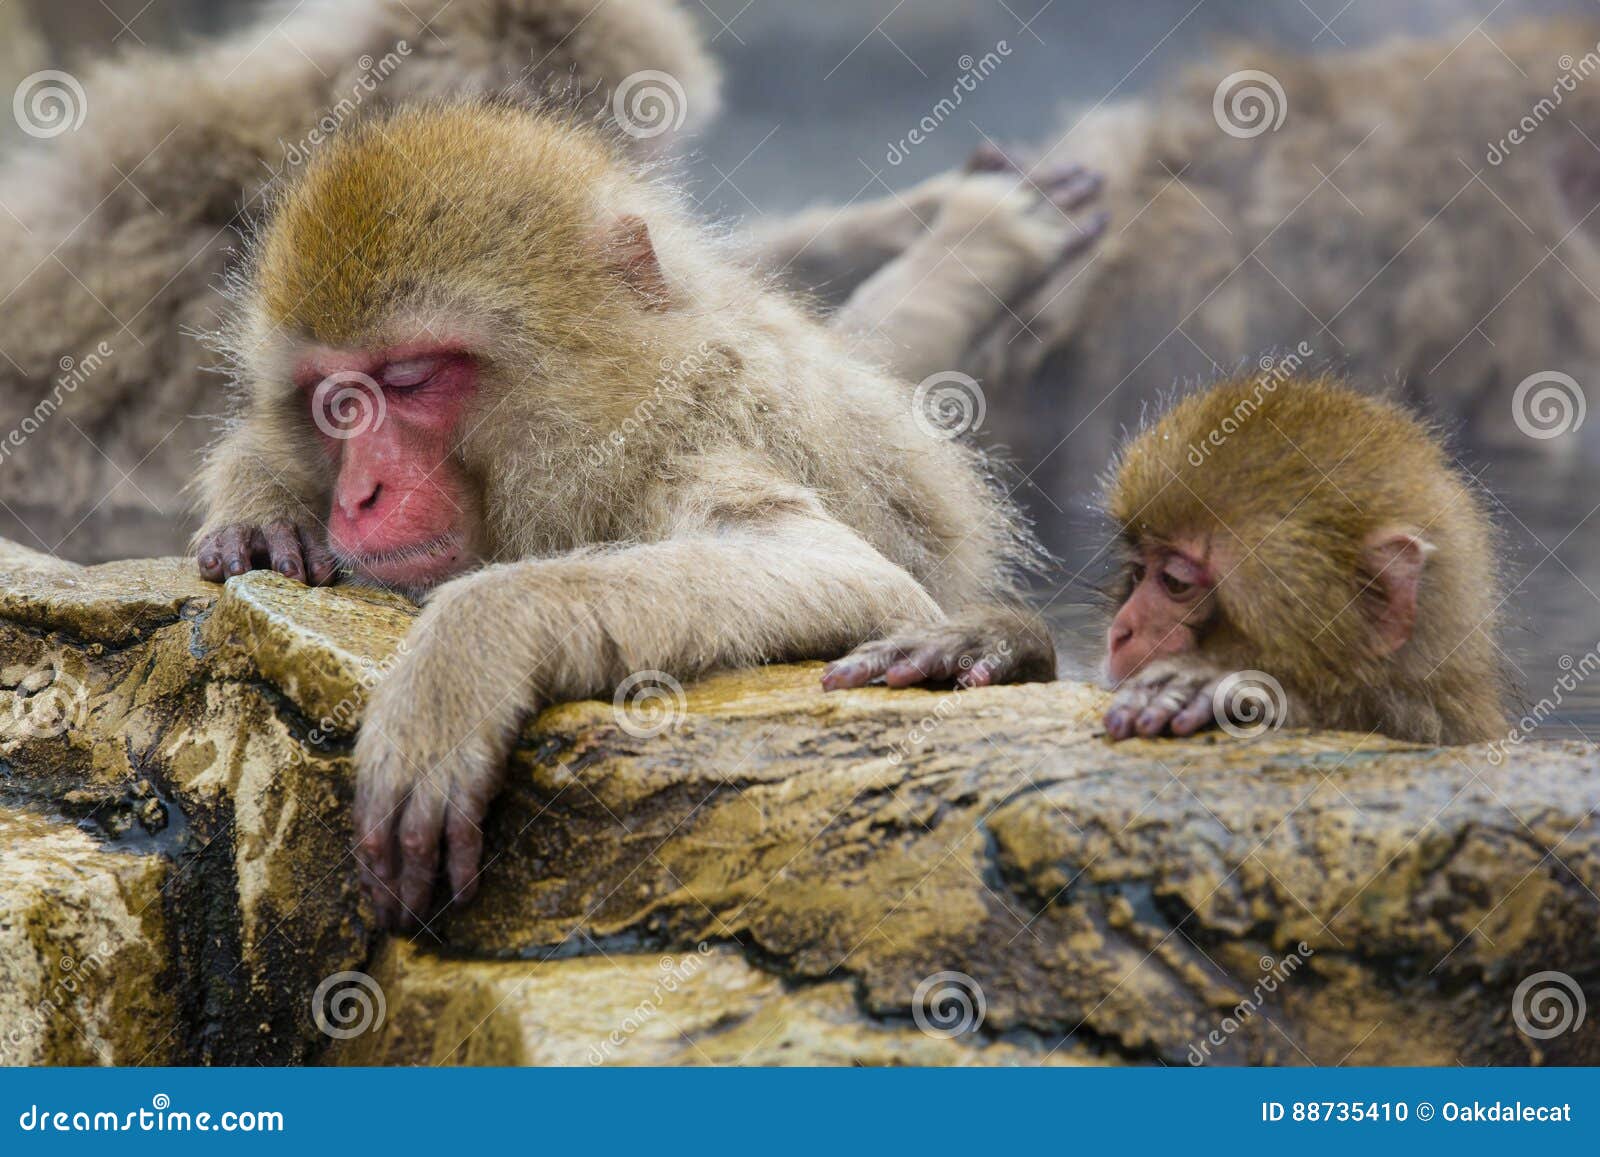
(1394, 559)
(631, 256)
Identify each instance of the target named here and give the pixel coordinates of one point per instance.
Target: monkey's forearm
(577, 626)
(831, 251)
(995, 240)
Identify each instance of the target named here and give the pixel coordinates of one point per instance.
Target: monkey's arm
(830, 251)
(996, 239)
(749, 574)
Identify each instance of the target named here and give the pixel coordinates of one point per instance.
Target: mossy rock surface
(852, 876)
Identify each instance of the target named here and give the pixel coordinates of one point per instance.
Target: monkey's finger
(1124, 710)
(1152, 721)
(1119, 723)
(1156, 717)
(232, 547)
(990, 158)
(1073, 189)
(320, 565)
(1194, 717)
(931, 661)
(421, 829)
(1088, 233)
(377, 811)
(384, 901)
(464, 835)
(984, 670)
(283, 549)
(210, 559)
(860, 666)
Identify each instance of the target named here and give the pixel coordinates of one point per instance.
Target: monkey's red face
(1163, 611)
(403, 512)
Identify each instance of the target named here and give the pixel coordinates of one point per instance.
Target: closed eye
(411, 374)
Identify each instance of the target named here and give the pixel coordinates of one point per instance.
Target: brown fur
(118, 233)
(780, 501)
(1304, 472)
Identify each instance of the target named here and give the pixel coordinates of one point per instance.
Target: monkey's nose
(1118, 636)
(351, 505)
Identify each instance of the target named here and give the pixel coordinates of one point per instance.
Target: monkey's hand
(976, 649)
(431, 755)
(1169, 697)
(293, 549)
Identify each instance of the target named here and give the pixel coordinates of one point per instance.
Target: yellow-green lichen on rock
(84, 956)
(866, 877)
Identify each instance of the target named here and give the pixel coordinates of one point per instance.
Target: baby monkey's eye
(1175, 586)
(1138, 571)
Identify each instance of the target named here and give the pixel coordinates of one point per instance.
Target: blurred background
(818, 90)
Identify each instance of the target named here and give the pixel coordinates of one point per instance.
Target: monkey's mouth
(413, 569)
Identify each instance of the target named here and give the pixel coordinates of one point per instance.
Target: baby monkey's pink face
(403, 513)
(1168, 585)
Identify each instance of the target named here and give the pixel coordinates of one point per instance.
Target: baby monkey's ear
(631, 256)
(1393, 559)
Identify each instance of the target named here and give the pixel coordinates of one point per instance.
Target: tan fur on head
(403, 208)
(1289, 481)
